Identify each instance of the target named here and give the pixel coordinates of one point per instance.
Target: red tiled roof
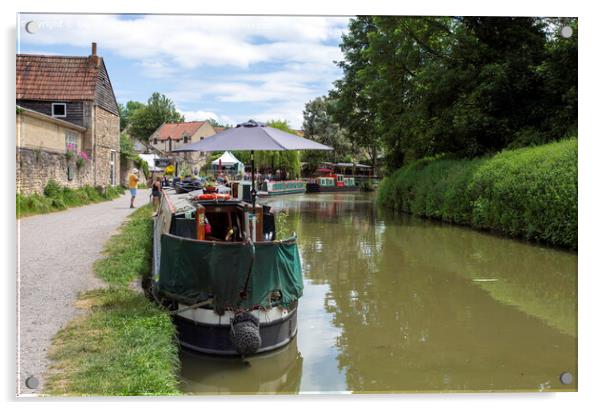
(41, 77)
(177, 130)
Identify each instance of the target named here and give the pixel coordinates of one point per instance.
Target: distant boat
(272, 188)
(326, 180)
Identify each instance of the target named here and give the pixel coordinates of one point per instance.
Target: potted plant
(82, 158)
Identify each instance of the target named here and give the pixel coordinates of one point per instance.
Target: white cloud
(193, 41)
(297, 53)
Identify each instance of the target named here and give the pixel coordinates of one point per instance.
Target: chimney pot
(93, 49)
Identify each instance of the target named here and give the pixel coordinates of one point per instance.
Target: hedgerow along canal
(398, 304)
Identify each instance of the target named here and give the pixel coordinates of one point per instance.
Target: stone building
(173, 135)
(67, 122)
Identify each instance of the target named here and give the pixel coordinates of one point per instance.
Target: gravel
(56, 254)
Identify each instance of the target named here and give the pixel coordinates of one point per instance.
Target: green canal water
(398, 304)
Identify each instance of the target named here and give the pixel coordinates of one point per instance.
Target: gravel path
(56, 253)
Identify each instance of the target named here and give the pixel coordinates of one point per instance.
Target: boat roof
(182, 203)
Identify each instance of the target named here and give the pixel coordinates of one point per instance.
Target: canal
(394, 303)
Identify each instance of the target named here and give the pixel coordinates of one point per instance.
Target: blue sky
(231, 68)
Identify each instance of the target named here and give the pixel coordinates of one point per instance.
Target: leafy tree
(158, 110)
(126, 147)
(320, 126)
(214, 123)
(463, 86)
(125, 111)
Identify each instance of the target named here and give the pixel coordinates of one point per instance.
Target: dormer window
(59, 110)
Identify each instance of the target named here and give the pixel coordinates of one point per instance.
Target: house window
(185, 140)
(155, 141)
(59, 110)
(71, 141)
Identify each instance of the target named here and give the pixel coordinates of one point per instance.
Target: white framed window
(70, 141)
(59, 110)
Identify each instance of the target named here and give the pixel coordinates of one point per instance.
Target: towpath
(55, 257)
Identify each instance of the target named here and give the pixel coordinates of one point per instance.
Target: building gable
(104, 95)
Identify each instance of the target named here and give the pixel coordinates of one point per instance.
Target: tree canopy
(143, 121)
(465, 86)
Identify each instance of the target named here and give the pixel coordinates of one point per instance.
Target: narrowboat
(330, 182)
(272, 188)
(232, 287)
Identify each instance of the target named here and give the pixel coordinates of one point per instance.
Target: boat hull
(284, 192)
(212, 338)
(316, 188)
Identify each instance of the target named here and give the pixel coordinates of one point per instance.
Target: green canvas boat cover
(192, 271)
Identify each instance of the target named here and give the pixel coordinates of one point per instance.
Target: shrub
(57, 198)
(53, 189)
(529, 192)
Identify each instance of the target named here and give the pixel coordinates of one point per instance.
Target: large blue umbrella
(252, 136)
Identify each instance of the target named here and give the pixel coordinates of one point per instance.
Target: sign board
(162, 162)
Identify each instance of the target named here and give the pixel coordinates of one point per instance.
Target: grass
(528, 193)
(128, 255)
(57, 198)
(124, 344)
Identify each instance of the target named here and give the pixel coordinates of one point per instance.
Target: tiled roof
(59, 78)
(177, 130)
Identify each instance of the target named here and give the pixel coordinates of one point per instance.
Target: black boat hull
(215, 339)
(315, 188)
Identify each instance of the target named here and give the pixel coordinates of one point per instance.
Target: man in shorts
(133, 186)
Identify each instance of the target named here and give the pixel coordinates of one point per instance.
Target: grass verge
(529, 193)
(57, 198)
(124, 344)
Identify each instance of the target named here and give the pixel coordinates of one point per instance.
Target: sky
(230, 68)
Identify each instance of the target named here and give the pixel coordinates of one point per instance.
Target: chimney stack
(93, 58)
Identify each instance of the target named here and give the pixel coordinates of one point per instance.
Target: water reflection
(275, 372)
(399, 304)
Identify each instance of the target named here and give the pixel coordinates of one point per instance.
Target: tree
(158, 110)
(125, 111)
(350, 102)
(215, 123)
(460, 86)
(320, 126)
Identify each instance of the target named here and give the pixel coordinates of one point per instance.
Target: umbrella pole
(253, 192)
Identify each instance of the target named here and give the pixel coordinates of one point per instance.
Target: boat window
(226, 223)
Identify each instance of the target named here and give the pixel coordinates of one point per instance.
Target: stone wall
(106, 143)
(126, 167)
(35, 167)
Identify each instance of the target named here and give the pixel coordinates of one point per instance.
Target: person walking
(133, 186)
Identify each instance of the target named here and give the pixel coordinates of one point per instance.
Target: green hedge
(529, 193)
(57, 198)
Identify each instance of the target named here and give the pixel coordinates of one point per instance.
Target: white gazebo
(229, 164)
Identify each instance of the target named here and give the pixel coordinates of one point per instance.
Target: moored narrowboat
(272, 188)
(332, 183)
(232, 287)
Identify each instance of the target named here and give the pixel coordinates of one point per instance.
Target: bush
(529, 192)
(53, 189)
(57, 198)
